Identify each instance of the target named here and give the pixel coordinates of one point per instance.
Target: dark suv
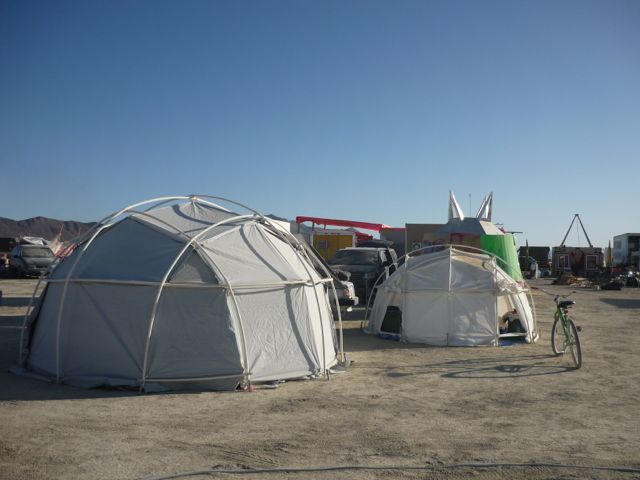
(31, 260)
(366, 265)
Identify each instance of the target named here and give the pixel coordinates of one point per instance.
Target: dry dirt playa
(400, 411)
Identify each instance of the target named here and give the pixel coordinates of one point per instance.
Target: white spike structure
(485, 210)
(454, 209)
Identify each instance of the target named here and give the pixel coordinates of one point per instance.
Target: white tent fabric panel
(290, 256)
(472, 319)
(42, 344)
(321, 323)
(189, 218)
(247, 247)
(62, 269)
(469, 274)
(278, 335)
(435, 276)
(130, 251)
(505, 304)
(100, 335)
(526, 315)
(429, 308)
(203, 343)
(192, 269)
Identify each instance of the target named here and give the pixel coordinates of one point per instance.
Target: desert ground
(399, 411)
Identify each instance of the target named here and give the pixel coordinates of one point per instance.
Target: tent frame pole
(449, 293)
(305, 262)
(154, 310)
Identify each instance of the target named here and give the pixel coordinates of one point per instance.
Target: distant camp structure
(579, 261)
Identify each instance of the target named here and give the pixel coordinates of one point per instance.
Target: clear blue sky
(364, 110)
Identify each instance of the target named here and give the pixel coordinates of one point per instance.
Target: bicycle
(564, 333)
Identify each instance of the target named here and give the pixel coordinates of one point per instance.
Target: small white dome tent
(180, 292)
(450, 297)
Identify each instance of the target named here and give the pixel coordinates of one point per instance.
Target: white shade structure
(181, 292)
(450, 297)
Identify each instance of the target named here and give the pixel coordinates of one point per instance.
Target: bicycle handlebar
(556, 295)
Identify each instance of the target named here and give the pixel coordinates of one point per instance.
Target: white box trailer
(626, 250)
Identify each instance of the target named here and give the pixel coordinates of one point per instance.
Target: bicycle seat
(566, 303)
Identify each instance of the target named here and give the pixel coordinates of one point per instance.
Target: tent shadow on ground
(622, 302)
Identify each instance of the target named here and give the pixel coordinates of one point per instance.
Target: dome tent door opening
(181, 292)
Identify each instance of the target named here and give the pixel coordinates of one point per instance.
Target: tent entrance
(511, 327)
(392, 323)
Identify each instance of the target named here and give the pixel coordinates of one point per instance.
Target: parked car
(345, 290)
(31, 260)
(366, 265)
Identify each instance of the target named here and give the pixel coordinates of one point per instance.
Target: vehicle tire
(557, 337)
(574, 345)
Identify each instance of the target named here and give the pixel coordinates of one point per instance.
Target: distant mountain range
(49, 228)
(43, 227)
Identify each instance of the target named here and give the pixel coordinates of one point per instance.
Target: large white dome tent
(181, 292)
(450, 296)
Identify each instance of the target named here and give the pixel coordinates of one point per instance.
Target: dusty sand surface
(397, 405)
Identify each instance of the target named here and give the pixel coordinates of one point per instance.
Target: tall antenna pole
(469, 204)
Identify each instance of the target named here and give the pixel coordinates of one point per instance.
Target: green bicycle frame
(560, 313)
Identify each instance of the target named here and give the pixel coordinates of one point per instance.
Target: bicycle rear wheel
(573, 345)
(557, 337)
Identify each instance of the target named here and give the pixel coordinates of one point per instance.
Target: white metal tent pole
(449, 294)
(284, 283)
(535, 333)
(243, 340)
(81, 238)
(335, 298)
(404, 293)
(283, 237)
(303, 261)
(26, 318)
(64, 294)
(494, 275)
(161, 287)
(230, 288)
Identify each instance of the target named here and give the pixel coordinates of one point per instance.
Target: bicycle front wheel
(557, 337)
(573, 344)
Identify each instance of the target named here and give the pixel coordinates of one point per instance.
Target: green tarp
(504, 248)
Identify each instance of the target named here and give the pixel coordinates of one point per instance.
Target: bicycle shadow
(485, 368)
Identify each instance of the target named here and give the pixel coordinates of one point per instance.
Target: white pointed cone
(484, 212)
(454, 209)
